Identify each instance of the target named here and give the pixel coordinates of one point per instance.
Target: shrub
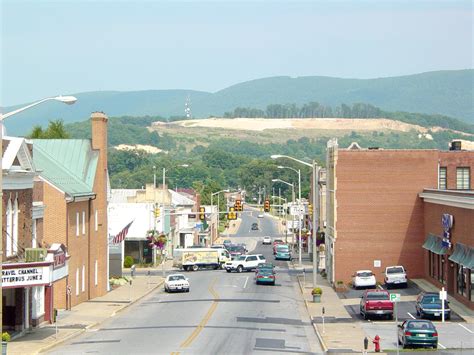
(317, 291)
(6, 336)
(128, 262)
(340, 283)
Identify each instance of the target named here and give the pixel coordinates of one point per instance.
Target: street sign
(192, 216)
(443, 295)
(395, 297)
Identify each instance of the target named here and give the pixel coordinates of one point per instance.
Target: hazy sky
(70, 46)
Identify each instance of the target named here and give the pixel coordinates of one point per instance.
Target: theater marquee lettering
(25, 276)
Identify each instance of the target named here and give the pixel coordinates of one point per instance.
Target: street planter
(5, 339)
(316, 293)
(340, 287)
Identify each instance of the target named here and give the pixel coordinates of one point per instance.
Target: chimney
(99, 136)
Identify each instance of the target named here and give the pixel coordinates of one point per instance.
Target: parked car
(376, 303)
(217, 246)
(282, 252)
(267, 240)
(245, 263)
(236, 251)
(176, 282)
(395, 276)
(428, 304)
(363, 278)
(265, 276)
(254, 226)
(275, 243)
(227, 242)
(417, 332)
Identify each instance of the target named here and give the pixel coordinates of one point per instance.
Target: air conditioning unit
(35, 254)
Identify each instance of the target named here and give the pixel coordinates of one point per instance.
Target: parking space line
(469, 330)
(411, 315)
(246, 280)
(441, 345)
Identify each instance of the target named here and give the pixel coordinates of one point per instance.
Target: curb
(316, 330)
(92, 325)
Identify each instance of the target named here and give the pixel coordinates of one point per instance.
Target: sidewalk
(86, 315)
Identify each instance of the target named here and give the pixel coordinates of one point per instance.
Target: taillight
(435, 334)
(272, 277)
(407, 333)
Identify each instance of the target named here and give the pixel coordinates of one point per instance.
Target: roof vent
(455, 145)
(373, 148)
(354, 146)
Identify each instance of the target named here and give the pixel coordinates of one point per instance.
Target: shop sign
(27, 276)
(447, 222)
(59, 259)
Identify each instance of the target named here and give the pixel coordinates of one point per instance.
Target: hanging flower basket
(156, 240)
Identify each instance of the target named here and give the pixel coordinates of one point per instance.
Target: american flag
(122, 234)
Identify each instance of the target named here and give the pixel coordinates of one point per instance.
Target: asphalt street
(222, 314)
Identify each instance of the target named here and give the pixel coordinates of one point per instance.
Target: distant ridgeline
(357, 110)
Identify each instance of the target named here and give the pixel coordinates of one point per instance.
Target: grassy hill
(443, 92)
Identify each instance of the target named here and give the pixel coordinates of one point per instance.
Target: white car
(245, 263)
(395, 276)
(260, 215)
(364, 278)
(267, 240)
(176, 282)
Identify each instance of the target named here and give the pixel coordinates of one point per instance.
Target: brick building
(73, 186)
(377, 215)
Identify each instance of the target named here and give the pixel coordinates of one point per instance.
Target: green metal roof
(463, 255)
(69, 164)
(435, 244)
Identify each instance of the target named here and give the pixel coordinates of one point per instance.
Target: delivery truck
(200, 258)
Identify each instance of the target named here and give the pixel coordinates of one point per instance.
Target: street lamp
(300, 223)
(212, 209)
(315, 216)
(289, 184)
(69, 100)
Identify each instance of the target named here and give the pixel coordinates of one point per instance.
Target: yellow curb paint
(206, 318)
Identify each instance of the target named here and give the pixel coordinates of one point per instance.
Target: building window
(15, 227)
(77, 223)
(77, 282)
(83, 222)
(441, 269)
(462, 280)
(34, 240)
(443, 178)
(431, 269)
(96, 269)
(83, 278)
(96, 221)
(462, 178)
(9, 217)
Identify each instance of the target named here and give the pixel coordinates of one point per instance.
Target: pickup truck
(376, 303)
(245, 263)
(395, 276)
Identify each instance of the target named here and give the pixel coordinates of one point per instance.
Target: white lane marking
(246, 280)
(441, 345)
(469, 330)
(411, 315)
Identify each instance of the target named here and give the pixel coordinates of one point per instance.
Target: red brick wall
(379, 213)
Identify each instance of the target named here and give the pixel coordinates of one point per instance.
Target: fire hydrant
(376, 342)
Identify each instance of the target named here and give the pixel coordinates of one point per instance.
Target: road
(222, 314)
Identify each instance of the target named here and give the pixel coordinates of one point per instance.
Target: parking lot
(455, 333)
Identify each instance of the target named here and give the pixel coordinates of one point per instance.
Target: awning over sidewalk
(463, 255)
(434, 244)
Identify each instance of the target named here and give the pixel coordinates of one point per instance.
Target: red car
(376, 303)
(275, 243)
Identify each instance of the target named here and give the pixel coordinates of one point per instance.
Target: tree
(55, 130)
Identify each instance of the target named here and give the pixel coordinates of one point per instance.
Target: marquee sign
(447, 221)
(28, 276)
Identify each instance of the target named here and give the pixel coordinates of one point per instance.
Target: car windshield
(278, 241)
(377, 296)
(395, 270)
(420, 325)
(282, 248)
(177, 278)
(365, 274)
(431, 299)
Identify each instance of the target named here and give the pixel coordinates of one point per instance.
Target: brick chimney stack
(99, 136)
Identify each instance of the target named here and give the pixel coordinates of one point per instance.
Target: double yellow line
(204, 321)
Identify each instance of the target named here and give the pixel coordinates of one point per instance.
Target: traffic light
(232, 215)
(202, 212)
(266, 206)
(238, 205)
(310, 209)
(157, 212)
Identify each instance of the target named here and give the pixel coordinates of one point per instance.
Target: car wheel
(240, 268)
(366, 316)
(195, 267)
(187, 290)
(166, 290)
(228, 270)
(222, 266)
(448, 317)
(417, 312)
(435, 346)
(390, 317)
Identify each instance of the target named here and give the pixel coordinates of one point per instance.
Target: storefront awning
(434, 244)
(463, 255)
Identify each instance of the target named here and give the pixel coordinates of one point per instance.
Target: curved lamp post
(69, 100)
(315, 216)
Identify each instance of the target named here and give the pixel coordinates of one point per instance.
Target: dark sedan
(428, 304)
(417, 332)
